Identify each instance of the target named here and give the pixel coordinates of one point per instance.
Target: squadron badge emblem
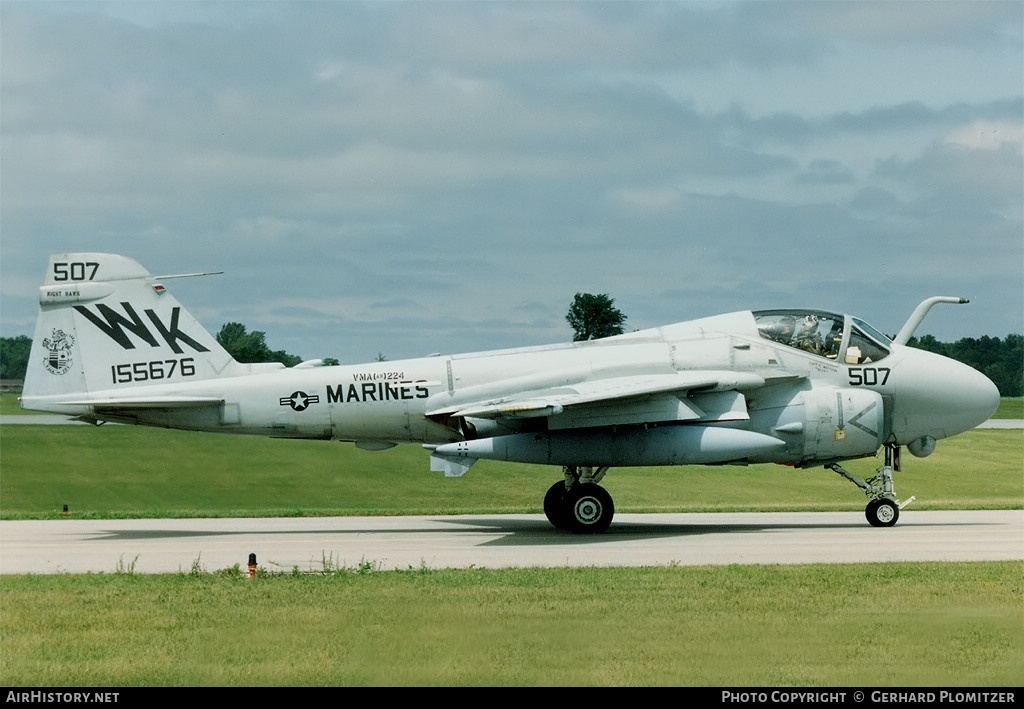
(58, 352)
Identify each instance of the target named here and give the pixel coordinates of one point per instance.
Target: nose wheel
(882, 512)
(883, 509)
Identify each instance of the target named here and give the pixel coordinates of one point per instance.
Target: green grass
(922, 624)
(9, 405)
(126, 471)
(1010, 407)
(885, 624)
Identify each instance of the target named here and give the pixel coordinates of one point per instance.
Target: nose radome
(940, 397)
(974, 393)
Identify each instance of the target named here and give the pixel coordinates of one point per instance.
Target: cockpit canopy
(839, 337)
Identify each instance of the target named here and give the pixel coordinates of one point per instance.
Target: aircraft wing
(616, 400)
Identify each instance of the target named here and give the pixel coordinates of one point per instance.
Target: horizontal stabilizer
(159, 402)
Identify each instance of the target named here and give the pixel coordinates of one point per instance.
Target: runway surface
(499, 541)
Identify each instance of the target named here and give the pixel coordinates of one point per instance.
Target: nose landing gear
(883, 509)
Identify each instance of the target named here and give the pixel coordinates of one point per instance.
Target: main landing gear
(578, 504)
(883, 508)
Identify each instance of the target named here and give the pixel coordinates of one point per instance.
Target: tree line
(592, 316)
(1001, 360)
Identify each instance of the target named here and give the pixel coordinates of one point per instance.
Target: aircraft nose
(939, 397)
(976, 396)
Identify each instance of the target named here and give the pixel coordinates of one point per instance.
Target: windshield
(866, 344)
(878, 336)
(824, 334)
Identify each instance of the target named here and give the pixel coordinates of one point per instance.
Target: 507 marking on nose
(869, 376)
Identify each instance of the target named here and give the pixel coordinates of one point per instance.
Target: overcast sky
(414, 177)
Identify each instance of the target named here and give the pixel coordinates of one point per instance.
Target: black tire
(588, 508)
(554, 505)
(882, 513)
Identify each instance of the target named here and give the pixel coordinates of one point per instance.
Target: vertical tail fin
(108, 325)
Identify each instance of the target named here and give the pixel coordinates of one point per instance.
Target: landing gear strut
(578, 504)
(883, 508)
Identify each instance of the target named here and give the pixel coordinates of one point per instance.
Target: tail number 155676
(152, 371)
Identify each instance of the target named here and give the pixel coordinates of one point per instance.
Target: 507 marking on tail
(75, 271)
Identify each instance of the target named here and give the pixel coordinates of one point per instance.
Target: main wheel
(588, 508)
(554, 505)
(882, 513)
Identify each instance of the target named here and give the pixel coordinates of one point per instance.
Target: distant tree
(250, 347)
(593, 316)
(14, 353)
(929, 343)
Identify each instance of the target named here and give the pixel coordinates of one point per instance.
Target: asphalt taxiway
(314, 544)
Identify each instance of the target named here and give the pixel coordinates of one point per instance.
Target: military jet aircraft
(797, 387)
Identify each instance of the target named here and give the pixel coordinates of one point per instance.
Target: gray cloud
(415, 177)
